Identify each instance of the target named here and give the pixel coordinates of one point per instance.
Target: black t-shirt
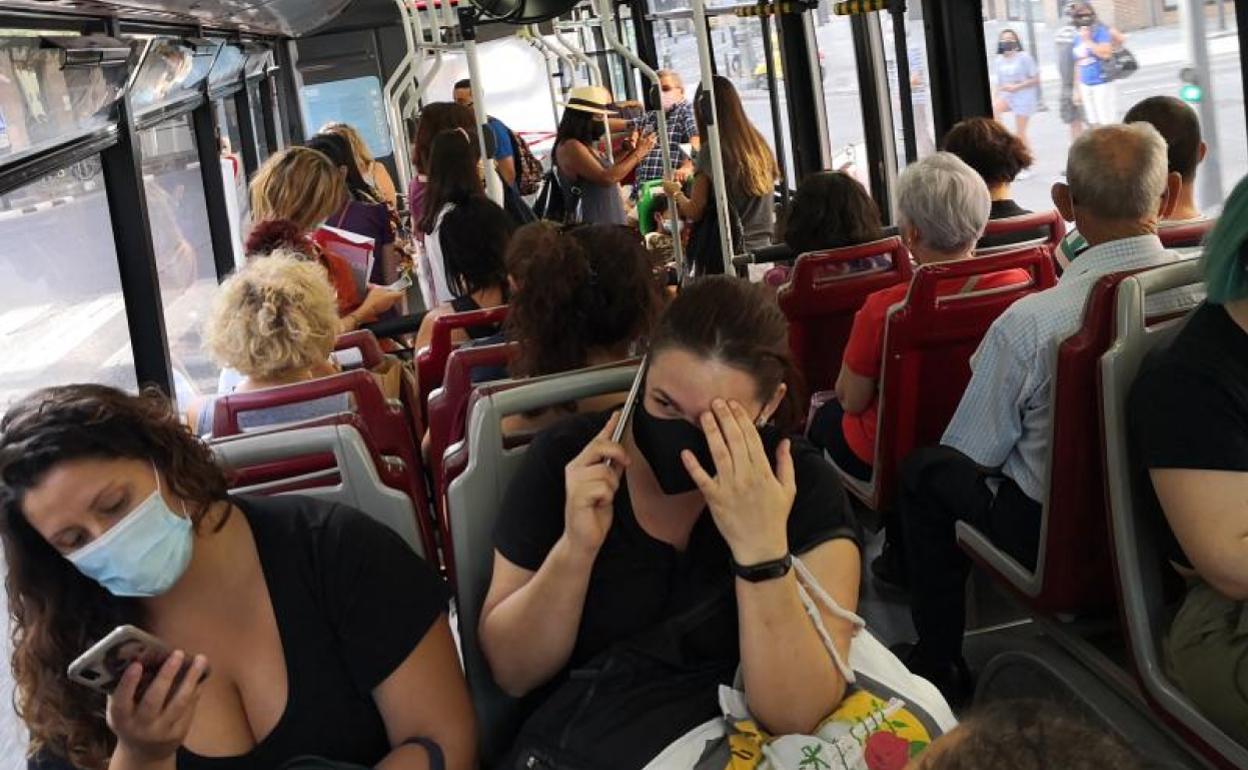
(1189, 407)
(1004, 210)
(638, 581)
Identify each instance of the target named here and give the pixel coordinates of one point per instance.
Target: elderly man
(943, 205)
(990, 469)
(681, 129)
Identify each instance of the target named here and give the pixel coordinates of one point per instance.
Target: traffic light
(1191, 91)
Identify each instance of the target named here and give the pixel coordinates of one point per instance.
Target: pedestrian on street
(1017, 81)
(1094, 46)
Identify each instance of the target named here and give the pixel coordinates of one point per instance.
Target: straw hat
(594, 99)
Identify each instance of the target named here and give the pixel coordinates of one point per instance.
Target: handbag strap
(808, 584)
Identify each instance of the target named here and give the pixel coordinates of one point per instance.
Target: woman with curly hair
(273, 322)
(309, 629)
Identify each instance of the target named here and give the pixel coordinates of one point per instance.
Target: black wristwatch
(767, 570)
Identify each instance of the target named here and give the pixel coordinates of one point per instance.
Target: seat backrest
(293, 461)
(1037, 221)
(1185, 235)
(1140, 566)
(388, 423)
(928, 342)
(431, 361)
(448, 406)
(821, 298)
(474, 502)
(364, 344)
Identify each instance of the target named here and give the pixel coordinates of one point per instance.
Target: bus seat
(387, 423)
(928, 342)
(352, 479)
(448, 406)
(431, 361)
(473, 503)
(1139, 564)
(364, 344)
(1185, 235)
(1072, 575)
(1037, 221)
(820, 300)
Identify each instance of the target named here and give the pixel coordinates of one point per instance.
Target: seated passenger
(309, 628)
(434, 119)
(991, 467)
(942, 205)
(291, 195)
(473, 240)
(999, 157)
(361, 210)
(603, 542)
(1026, 735)
(274, 323)
(1180, 127)
(1189, 417)
(372, 171)
(831, 210)
(581, 297)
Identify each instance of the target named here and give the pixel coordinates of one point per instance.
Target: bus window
(916, 75)
(62, 316)
(1074, 91)
(257, 118)
(838, 68)
(184, 258)
(356, 101)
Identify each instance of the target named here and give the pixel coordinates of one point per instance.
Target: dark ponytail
(580, 290)
(737, 323)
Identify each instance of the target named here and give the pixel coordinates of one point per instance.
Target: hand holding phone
(405, 281)
(102, 666)
(150, 726)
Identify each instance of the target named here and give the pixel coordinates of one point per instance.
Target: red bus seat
(928, 342)
(1024, 223)
(1072, 575)
(365, 345)
(431, 361)
(820, 300)
(387, 423)
(448, 407)
(1185, 235)
(1140, 565)
(329, 459)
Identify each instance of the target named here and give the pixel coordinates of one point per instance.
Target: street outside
(1161, 52)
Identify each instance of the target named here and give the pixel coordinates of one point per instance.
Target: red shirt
(864, 352)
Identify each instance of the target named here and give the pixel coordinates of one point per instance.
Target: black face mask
(661, 442)
(599, 130)
(1008, 46)
(1084, 21)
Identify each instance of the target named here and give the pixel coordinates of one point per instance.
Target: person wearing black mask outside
(690, 528)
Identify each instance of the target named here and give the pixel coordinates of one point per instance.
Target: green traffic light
(1191, 93)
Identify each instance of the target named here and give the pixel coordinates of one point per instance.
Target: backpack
(529, 170)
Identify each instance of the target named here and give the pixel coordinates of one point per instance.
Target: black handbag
(628, 703)
(554, 204)
(705, 252)
(1121, 64)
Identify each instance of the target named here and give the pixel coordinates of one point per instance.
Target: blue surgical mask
(144, 554)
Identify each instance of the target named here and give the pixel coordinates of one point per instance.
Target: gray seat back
(474, 501)
(1140, 563)
(353, 481)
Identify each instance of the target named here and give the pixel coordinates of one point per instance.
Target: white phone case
(101, 667)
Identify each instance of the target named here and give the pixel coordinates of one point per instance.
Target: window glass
(356, 101)
(257, 119)
(232, 169)
(62, 316)
(228, 67)
(1161, 38)
(184, 258)
(838, 70)
(169, 72)
(43, 104)
(917, 75)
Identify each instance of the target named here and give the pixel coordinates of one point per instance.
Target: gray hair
(945, 200)
(672, 75)
(1118, 172)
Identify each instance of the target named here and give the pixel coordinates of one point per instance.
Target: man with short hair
(681, 129)
(1179, 125)
(991, 468)
(504, 150)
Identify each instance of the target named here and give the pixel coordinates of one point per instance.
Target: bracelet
(436, 759)
(767, 570)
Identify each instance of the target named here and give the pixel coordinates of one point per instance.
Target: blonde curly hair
(275, 316)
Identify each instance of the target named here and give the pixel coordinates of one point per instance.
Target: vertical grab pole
(530, 33)
(595, 79)
(468, 29)
(606, 18)
(711, 117)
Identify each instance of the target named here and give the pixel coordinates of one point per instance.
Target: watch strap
(767, 570)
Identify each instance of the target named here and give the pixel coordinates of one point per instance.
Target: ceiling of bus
(267, 17)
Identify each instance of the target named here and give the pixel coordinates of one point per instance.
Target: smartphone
(101, 667)
(634, 395)
(402, 284)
